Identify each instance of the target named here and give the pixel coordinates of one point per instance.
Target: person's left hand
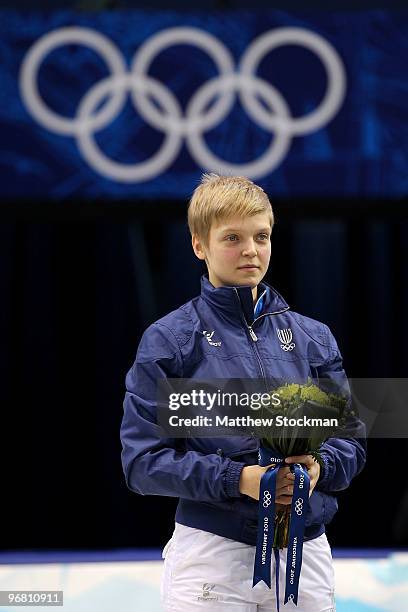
(313, 469)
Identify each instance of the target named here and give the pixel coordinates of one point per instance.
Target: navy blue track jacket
(204, 472)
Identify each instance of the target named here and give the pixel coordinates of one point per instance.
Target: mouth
(248, 267)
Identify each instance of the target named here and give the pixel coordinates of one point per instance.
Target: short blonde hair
(219, 197)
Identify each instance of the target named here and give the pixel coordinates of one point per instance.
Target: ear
(198, 246)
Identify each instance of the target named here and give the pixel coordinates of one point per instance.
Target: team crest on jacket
(285, 336)
(208, 336)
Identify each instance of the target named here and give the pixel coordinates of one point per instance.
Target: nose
(250, 250)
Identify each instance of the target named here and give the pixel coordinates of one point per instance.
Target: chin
(251, 275)
(249, 282)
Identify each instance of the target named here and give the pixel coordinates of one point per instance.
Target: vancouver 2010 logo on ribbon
(262, 101)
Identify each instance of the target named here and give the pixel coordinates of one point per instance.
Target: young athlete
(232, 330)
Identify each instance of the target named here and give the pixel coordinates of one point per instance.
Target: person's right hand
(250, 480)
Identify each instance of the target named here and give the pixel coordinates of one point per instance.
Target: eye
(263, 236)
(231, 238)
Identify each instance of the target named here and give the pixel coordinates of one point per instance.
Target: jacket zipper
(253, 334)
(267, 314)
(254, 338)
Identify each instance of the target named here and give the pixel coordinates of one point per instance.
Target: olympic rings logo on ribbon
(299, 506)
(261, 100)
(267, 499)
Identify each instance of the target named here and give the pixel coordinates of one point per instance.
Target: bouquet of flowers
(298, 403)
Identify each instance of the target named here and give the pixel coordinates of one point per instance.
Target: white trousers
(204, 571)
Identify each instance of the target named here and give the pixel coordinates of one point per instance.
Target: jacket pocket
(249, 456)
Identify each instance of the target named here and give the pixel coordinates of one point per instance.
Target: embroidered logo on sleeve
(285, 336)
(208, 336)
(206, 594)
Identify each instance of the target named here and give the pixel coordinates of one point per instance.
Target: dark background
(81, 280)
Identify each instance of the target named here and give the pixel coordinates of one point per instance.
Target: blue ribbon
(300, 501)
(266, 525)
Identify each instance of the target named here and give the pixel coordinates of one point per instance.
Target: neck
(254, 289)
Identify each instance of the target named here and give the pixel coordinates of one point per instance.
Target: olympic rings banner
(137, 104)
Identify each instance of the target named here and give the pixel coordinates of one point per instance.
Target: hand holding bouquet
(309, 416)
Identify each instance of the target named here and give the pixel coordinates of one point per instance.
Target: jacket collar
(235, 301)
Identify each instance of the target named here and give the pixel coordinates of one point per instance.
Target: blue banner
(137, 104)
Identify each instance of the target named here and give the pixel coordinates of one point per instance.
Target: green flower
(311, 392)
(288, 392)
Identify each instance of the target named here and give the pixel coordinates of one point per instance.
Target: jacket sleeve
(343, 457)
(154, 465)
